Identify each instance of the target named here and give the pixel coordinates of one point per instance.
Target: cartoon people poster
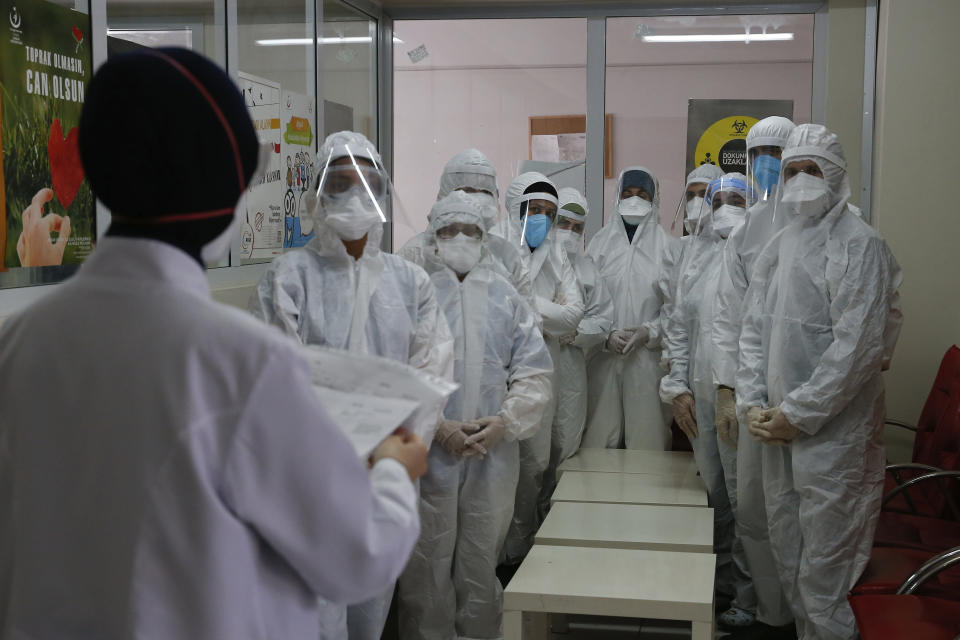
(261, 234)
(298, 168)
(47, 210)
(717, 130)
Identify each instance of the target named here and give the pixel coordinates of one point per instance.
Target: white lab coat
(166, 470)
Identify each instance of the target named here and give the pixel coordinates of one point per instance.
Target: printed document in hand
(369, 397)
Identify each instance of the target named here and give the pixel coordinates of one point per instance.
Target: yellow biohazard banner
(717, 130)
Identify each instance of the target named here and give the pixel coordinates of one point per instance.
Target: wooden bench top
(628, 488)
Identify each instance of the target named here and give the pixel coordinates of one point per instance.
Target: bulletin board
(567, 134)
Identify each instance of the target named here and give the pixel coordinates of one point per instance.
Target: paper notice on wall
(381, 379)
(563, 147)
(297, 168)
(261, 232)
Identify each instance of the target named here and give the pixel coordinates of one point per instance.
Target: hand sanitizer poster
(47, 210)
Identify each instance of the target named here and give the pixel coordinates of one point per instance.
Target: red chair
(890, 567)
(924, 514)
(907, 615)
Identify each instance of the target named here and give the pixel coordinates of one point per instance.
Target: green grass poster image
(47, 210)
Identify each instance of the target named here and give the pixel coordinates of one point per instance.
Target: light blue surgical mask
(535, 229)
(766, 172)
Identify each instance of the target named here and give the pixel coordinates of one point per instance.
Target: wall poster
(47, 210)
(298, 168)
(261, 231)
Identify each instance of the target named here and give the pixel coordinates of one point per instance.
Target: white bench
(627, 526)
(630, 488)
(609, 582)
(673, 463)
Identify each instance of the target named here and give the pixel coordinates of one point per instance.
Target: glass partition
(679, 88)
(514, 89)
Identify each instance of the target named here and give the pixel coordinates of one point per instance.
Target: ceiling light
(721, 37)
(286, 42)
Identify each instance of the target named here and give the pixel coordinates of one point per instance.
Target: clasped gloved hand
(618, 339)
(685, 413)
(491, 430)
(726, 418)
(452, 436)
(770, 426)
(567, 338)
(639, 339)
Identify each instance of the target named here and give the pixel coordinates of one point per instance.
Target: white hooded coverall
(820, 320)
(318, 293)
(624, 400)
(450, 587)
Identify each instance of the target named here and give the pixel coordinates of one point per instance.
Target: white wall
(484, 79)
(916, 138)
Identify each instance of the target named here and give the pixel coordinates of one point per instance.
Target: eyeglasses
(338, 180)
(451, 230)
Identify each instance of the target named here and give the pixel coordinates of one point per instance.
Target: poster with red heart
(47, 210)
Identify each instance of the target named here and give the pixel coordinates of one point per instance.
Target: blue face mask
(766, 171)
(536, 229)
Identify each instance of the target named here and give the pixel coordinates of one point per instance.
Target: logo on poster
(740, 126)
(16, 21)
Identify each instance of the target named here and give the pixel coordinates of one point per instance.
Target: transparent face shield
(803, 181)
(354, 190)
(637, 195)
(689, 209)
(763, 172)
(538, 214)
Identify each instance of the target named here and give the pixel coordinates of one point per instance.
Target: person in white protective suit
(341, 291)
(636, 258)
(689, 386)
(169, 471)
(765, 142)
(820, 321)
(450, 588)
(531, 203)
(470, 171)
(588, 338)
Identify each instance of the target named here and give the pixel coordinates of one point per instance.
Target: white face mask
(727, 218)
(694, 208)
(806, 195)
(571, 241)
(460, 253)
(351, 219)
(219, 248)
(634, 209)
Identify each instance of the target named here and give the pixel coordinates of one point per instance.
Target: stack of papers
(370, 397)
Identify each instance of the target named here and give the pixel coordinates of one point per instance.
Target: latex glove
(567, 338)
(35, 248)
(618, 340)
(639, 338)
(452, 436)
(407, 449)
(726, 419)
(491, 431)
(773, 427)
(685, 413)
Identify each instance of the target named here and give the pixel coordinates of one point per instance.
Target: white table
(609, 582)
(679, 463)
(627, 526)
(630, 488)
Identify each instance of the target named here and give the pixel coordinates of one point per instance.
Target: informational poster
(47, 210)
(717, 130)
(261, 233)
(297, 170)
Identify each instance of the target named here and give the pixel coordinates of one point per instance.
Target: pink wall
(483, 80)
